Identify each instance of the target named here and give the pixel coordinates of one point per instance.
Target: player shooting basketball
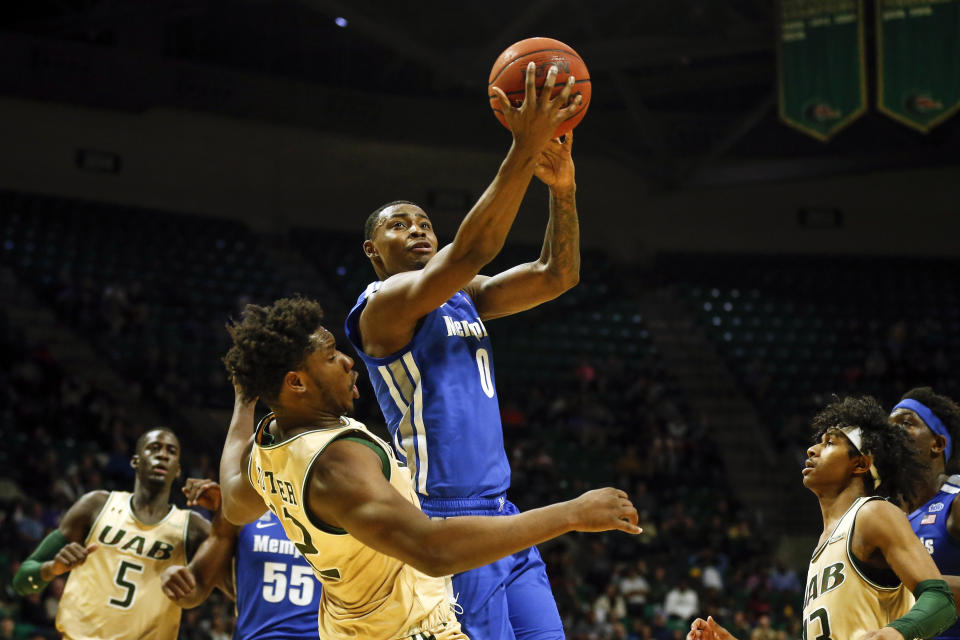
(420, 330)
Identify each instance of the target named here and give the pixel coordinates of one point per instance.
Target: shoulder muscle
(76, 522)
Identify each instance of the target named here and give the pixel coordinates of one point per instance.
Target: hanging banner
(918, 61)
(821, 69)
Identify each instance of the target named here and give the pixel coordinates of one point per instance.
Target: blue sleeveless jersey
(277, 594)
(439, 399)
(929, 522)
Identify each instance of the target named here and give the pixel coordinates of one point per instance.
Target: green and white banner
(821, 67)
(918, 61)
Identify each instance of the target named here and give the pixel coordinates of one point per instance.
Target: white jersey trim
(422, 456)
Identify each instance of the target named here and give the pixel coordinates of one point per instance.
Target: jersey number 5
(123, 581)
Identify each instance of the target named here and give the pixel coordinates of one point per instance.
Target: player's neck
(149, 505)
(289, 423)
(833, 504)
(927, 487)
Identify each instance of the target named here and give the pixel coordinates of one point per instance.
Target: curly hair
(888, 445)
(942, 407)
(373, 218)
(270, 341)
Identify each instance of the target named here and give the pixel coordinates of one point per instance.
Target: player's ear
(938, 445)
(861, 465)
(294, 381)
(134, 460)
(369, 249)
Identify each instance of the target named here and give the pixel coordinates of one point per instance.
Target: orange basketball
(509, 71)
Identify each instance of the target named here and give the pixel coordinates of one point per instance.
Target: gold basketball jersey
(366, 594)
(840, 602)
(115, 594)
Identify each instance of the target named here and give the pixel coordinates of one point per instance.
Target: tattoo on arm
(561, 246)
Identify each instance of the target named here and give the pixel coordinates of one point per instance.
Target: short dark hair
(270, 341)
(142, 440)
(371, 222)
(888, 445)
(942, 407)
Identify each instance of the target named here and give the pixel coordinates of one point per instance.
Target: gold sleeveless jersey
(840, 602)
(366, 594)
(115, 593)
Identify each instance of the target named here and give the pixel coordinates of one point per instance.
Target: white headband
(855, 437)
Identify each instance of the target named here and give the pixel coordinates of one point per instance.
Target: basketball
(509, 70)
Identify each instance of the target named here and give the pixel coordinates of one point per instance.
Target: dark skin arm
(241, 502)
(197, 531)
(883, 538)
(348, 490)
(211, 566)
(558, 268)
(75, 527)
(390, 318)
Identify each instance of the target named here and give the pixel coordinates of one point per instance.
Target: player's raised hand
(202, 492)
(555, 165)
(70, 557)
(605, 510)
(534, 122)
(177, 582)
(708, 629)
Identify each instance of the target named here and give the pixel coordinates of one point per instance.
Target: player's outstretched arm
(883, 527)
(64, 548)
(558, 268)
(390, 316)
(348, 490)
(241, 502)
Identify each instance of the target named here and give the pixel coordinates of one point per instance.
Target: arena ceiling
(684, 90)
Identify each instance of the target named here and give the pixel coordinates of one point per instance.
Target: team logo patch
(930, 518)
(937, 506)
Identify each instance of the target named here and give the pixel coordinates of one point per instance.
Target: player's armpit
(881, 525)
(389, 319)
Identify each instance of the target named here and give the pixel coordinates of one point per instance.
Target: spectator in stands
(635, 588)
(682, 602)
(784, 578)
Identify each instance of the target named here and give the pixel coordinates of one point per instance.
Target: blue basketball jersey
(929, 522)
(438, 396)
(277, 594)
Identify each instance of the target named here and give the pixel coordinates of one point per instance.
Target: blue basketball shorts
(509, 599)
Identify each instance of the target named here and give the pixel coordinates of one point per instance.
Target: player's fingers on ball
(567, 90)
(502, 99)
(530, 85)
(547, 90)
(188, 578)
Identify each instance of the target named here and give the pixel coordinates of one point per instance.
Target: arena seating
(796, 329)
